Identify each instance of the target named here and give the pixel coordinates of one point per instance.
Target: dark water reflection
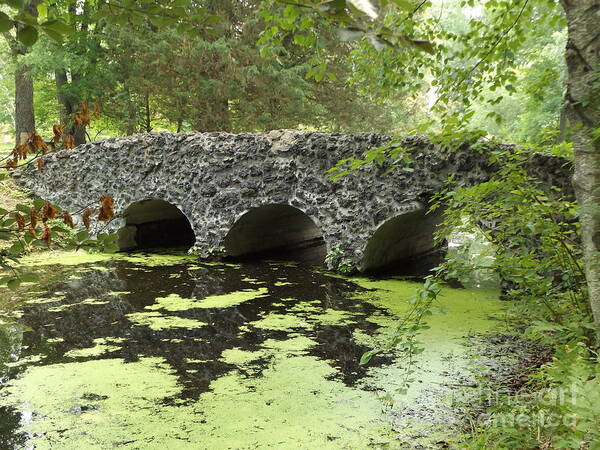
(92, 303)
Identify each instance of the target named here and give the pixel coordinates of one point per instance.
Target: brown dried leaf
(96, 111)
(40, 164)
(32, 231)
(46, 234)
(86, 217)
(20, 221)
(33, 217)
(48, 212)
(22, 151)
(68, 220)
(12, 164)
(68, 142)
(106, 208)
(58, 133)
(82, 117)
(38, 142)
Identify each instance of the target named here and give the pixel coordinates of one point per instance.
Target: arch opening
(276, 231)
(155, 224)
(403, 244)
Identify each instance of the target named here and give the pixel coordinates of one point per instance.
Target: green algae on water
(93, 301)
(100, 404)
(157, 322)
(231, 299)
(73, 258)
(64, 258)
(101, 346)
(283, 322)
(175, 302)
(445, 356)
(276, 392)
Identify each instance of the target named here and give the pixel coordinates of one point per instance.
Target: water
(160, 351)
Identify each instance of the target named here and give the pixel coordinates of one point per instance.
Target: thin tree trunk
(217, 118)
(132, 116)
(65, 109)
(223, 114)
(583, 113)
(148, 124)
(24, 111)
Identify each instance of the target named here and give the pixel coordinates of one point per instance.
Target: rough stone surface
(215, 178)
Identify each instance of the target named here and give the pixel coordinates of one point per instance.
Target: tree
(147, 77)
(583, 109)
(24, 113)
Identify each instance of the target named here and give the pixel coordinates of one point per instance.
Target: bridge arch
(275, 229)
(152, 223)
(400, 240)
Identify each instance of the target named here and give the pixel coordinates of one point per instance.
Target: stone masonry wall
(214, 178)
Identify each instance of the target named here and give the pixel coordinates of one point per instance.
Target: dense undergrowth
(531, 230)
(556, 407)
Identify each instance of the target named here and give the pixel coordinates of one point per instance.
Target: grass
(7, 142)
(6, 148)
(11, 194)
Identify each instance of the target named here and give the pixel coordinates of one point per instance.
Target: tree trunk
(148, 124)
(65, 110)
(24, 112)
(132, 114)
(583, 112)
(216, 116)
(562, 125)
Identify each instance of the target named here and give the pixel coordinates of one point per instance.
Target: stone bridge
(246, 194)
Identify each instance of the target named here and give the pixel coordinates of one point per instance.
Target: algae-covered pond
(160, 351)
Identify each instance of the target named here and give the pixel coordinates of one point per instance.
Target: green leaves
(27, 35)
(355, 19)
(6, 23)
(56, 29)
(28, 28)
(424, 46)
(367, 356)
(17, 4)
(82, 236)
(57, 26)
(15, 282)
(30, 278)
(23, 208)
